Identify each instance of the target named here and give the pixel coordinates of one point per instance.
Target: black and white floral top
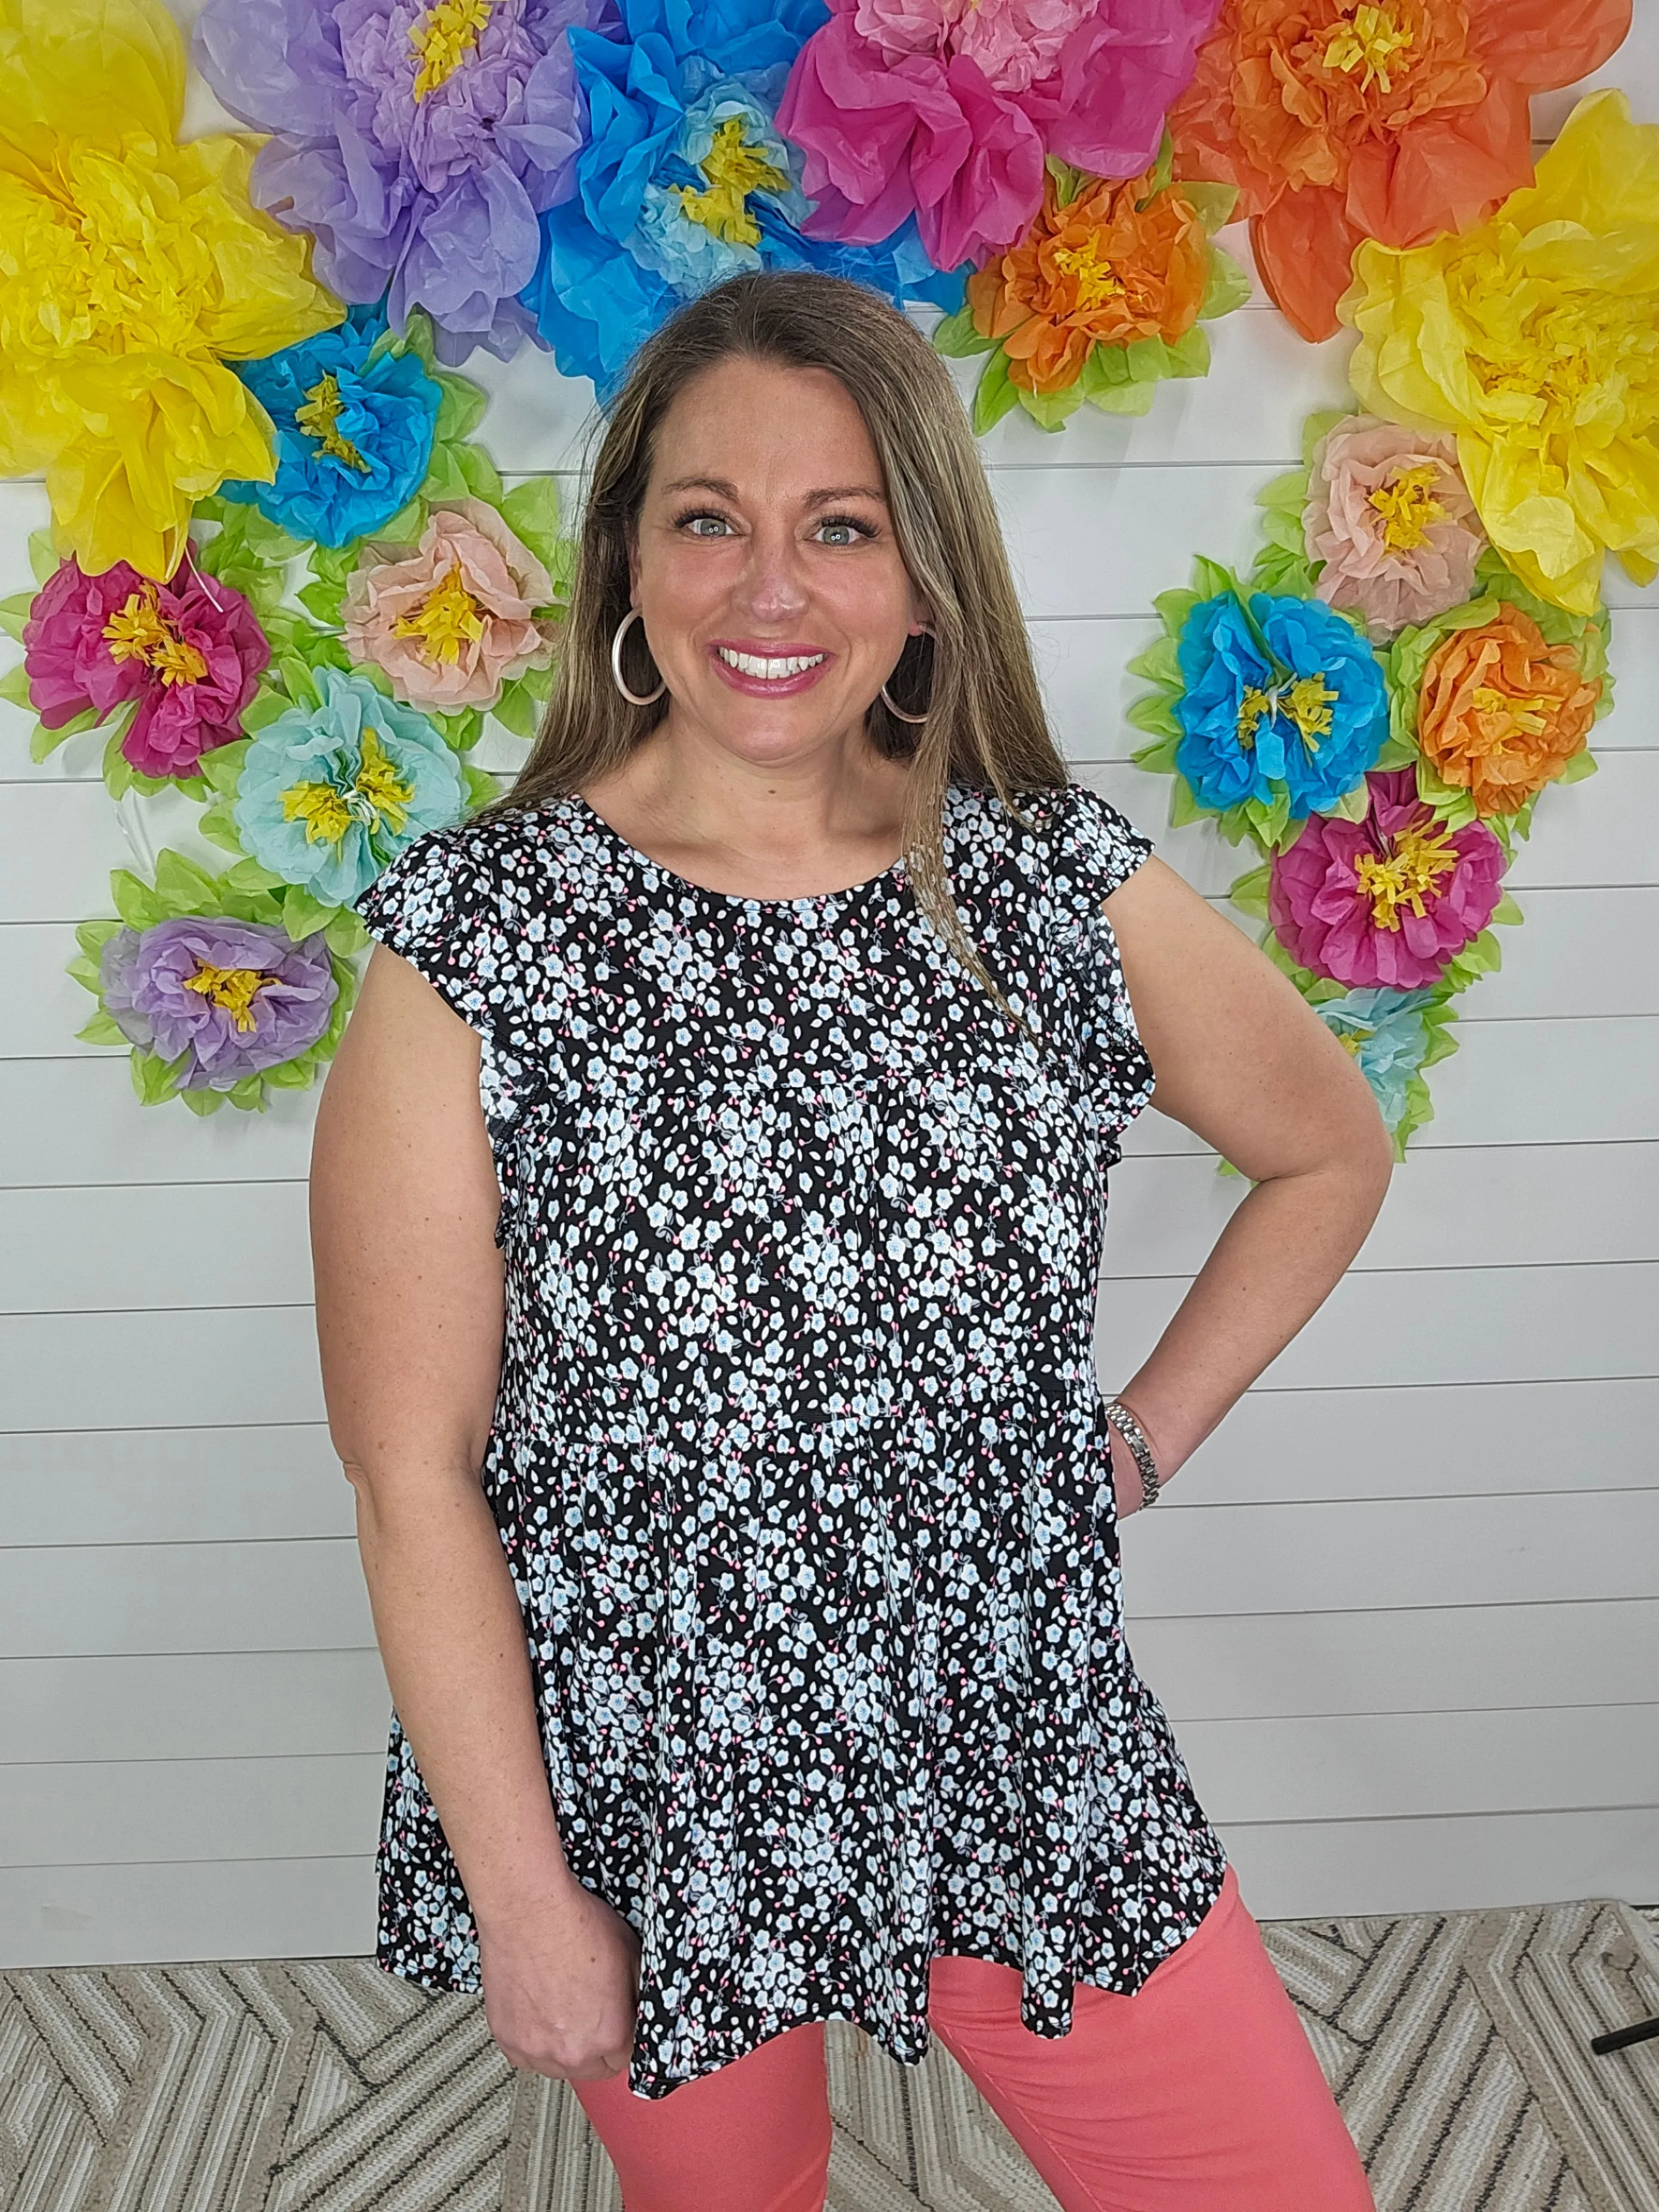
(799, 1459)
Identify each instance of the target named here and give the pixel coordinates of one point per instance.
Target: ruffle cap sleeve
(1094, 849)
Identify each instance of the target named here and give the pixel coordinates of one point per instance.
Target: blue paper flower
(684, 181)
(330, 794)
(1308, 717)
(354, 432)
(1386, 1033)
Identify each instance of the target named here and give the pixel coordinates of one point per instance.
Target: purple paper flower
(191, 652)
(419, 143)
(237, 996)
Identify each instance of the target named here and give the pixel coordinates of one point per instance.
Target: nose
(772, 590)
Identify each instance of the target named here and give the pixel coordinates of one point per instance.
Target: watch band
(1140, 1451)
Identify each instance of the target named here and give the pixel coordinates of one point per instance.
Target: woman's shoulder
(1067, 838)
(504, 857)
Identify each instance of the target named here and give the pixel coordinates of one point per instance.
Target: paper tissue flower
(1531, 340)
(454, 619)
(189, 653)
(355, 421)
(1391, 1035)
(132, 268)
(1283, 706)
(1099, 300)
(418, 143)
(1389, 514)
(1341, 120)
(945, 109)
(1388, 901)
(1501, 712)
(330, 793)
(685, 179)
(228, 999)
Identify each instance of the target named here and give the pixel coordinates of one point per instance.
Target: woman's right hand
(561, 1986)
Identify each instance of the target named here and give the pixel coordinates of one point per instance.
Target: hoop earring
(898, 712)
(621, 681)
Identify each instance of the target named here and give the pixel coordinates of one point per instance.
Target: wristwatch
(1140, 1450)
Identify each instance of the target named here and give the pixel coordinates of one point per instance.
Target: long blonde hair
(986, 726)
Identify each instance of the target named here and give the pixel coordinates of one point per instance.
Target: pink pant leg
(753, 2137)
(1199, 2093)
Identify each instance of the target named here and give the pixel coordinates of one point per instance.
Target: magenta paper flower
(455, 620)
(945, 109)
(1390, 516)
(191, 652)
(1389, 901)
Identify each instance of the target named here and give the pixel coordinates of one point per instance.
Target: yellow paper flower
(1535, 338)
(132, 270)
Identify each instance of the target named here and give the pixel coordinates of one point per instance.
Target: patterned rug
(1456, 2042)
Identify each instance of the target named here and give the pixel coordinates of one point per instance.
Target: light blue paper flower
(1309, 726)
(685, 181)
(354, 435)
(330, 794)
(1387, 1034)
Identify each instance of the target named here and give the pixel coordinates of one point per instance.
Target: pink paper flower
(453, 621)
(1390, 516)
(1389, 901)
(191, 652)
(946, 109)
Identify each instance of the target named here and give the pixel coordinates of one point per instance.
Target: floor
(1457, 2043)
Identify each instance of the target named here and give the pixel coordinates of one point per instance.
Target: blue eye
(701, 516)
(849, 530)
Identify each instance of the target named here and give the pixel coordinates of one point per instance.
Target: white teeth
(772, 671)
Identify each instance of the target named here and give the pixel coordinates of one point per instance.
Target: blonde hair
(986, 726)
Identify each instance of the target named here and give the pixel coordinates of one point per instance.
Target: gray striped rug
(1456, 2042)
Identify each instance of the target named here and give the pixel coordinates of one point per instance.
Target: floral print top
(799, 1459)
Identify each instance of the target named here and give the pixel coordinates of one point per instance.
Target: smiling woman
(707, 1323)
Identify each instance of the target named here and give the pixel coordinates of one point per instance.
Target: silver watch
(1135, 1436)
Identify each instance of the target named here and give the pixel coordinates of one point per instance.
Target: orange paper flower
(1392, 119)
(1502, 711)
(1097, 270)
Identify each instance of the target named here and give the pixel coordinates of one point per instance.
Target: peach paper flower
(455, 620)
(1390, 119)
(1390, 516)
(1502, 711)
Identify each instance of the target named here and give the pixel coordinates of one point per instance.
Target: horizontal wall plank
(1393, 1766)
(1469, 1658)
(107, 1600)
(76, 1121)
(172, 1485)
(1405, 1551)
(115, 1916)
(1402, 1441)
(219, 1705)
(153, 1244)
(1289, 1871)
(249, 1365)
(123, 1812)
(1454, 1325)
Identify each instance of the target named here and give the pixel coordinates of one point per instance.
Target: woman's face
(773, 598)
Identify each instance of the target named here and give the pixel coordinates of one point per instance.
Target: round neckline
(731, 898)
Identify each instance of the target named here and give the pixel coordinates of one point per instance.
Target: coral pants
(1199, 2093)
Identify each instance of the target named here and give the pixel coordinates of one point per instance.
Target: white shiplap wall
(1403, 1607)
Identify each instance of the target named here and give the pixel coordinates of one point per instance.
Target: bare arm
(1246, 1064)
(409, 1304)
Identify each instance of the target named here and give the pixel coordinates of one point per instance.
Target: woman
(706, 1205)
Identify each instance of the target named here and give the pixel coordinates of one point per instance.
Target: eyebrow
(726, 490)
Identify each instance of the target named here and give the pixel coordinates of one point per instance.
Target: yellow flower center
(1090, 272)
(233, 988)
(734, 169)
(319, 417)
(1369, 38)
(1405, 876)
(1527, 716)
(1354, 1041)
(443, 37)
(374, 796)
(139, 631)
(1408, 508)
(1307, 703)
(447, 619)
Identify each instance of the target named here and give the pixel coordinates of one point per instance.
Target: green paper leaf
(304, 915)
(1213, 205)
(1190, 356)
(1131, 397)
(462, 731)
(406, 525)
(516, 710)
(1174, 608)
(266, 706)
(1068, 181)
(462, 407)
(218, 825)
(1160, 664)
(15, 688)
(1318, 425)
(1051, 411)
(1183, 804)
(296, 680)
(1506, 910)
(93, 936)
(325, 603)
(995, 395)
(247, 875)
(955, 337)
(1248, 892)
(1159, 758)
(1581, 765)
(100, 1029)
(44, 562)
(1211, 580)
(1147, 359)
(117, 769)
(482, 788)
(1153, 713)
(202, 1102)
(445, 478)
(153, 1078)
(222, 768)
(345, 932)
(1353, 805)
(14, 613)
(1105, 367)
(182, 887)
(531, 511)
(479, 473)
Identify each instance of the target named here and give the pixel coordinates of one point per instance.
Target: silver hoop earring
(898, 712)
(632, 697)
